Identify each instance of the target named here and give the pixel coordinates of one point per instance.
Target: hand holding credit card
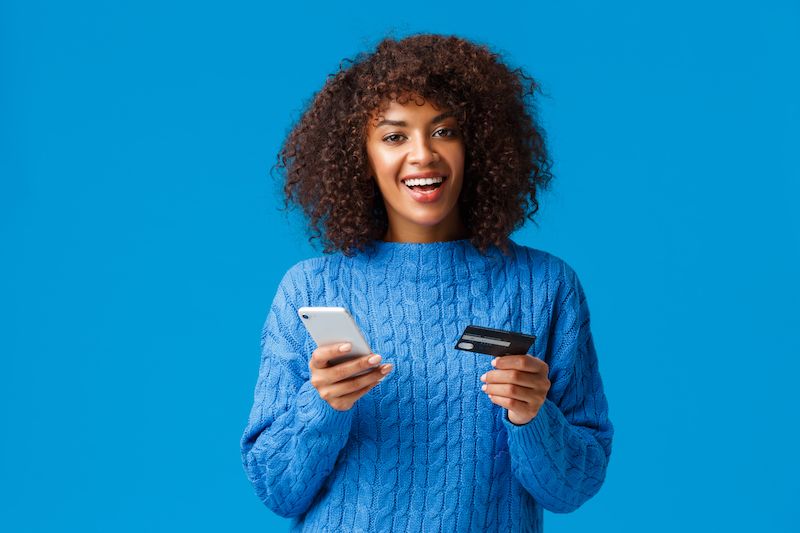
(495, 342)
(519, 381)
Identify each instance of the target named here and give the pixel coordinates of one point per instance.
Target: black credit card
(494, 341)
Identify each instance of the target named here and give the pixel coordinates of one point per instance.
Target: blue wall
(141, 246)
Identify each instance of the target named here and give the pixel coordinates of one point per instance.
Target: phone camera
(305, 316)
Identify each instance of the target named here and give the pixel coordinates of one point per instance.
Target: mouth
(425, 185)
(425, 191)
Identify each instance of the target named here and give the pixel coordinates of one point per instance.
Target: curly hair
(324, 157)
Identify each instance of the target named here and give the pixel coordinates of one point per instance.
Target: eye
(394, 138)
(389, 138)
(452, 132)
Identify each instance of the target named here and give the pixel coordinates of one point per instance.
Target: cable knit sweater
(426, 450)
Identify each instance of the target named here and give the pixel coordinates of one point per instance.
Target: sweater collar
(443, 260)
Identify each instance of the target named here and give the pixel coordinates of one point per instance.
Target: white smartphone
(334, 325)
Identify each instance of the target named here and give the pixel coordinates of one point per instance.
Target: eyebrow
(437, 118)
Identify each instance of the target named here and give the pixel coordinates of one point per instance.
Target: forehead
(409, 111)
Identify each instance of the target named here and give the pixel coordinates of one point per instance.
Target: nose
(421, 153)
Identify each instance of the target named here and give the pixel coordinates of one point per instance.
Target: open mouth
(425, 185)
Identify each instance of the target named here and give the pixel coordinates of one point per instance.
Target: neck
(421, 234)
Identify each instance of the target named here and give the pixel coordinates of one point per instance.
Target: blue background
(141, 245)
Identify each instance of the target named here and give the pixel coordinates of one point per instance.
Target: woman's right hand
(336, 384)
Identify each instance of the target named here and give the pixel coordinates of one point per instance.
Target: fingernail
(345, 347)
(483, 388)
(386, 369)
(483, 377)
(374, 360)
(494, 362)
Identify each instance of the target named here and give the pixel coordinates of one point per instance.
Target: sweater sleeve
(293, 436)
(560, 456)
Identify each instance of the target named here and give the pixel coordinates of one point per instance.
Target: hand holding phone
(340, 376)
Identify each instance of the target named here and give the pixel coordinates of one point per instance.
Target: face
(413, 139)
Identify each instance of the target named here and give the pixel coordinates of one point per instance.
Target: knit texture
(426, 450)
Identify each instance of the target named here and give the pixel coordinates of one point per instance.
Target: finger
(518, 377)
(349, 386)
(509, 403)
(515, 392)
(322, 377)
(346, 370)
(524, 362)
(323, 354)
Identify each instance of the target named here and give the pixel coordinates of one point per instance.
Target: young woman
(414, 165)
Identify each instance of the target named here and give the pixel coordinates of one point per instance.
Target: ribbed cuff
(536, 433)
(315, 413)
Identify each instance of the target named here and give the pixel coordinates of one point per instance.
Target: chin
(430, 221)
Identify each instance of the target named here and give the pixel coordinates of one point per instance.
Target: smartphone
(334, 325)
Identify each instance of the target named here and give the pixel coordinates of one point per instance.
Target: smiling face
(411, 139)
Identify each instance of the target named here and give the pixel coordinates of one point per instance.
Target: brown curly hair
(324, 157)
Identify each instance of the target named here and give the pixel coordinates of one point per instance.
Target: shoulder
(307, 276)
(311, 267)
(549, 269)
(303, 269)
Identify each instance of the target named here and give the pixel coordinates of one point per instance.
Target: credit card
(494, 341)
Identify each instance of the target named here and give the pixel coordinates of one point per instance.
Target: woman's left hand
(519, 383)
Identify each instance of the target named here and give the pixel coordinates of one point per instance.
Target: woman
(414, 164)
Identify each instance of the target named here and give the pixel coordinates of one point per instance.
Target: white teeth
(424, 181)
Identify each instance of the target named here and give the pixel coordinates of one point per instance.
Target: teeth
(424, 181)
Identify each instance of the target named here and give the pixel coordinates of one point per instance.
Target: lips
(426, 197)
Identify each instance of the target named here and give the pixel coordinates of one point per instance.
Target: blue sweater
(426, 450)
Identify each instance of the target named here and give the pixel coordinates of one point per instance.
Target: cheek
(386, 171)
(379, 183)
(386, 160)
(457, 160)
(453, 155)
(380, 159)
(385, 183)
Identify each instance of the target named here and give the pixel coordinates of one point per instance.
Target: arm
(293, 436)
(560, 456)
